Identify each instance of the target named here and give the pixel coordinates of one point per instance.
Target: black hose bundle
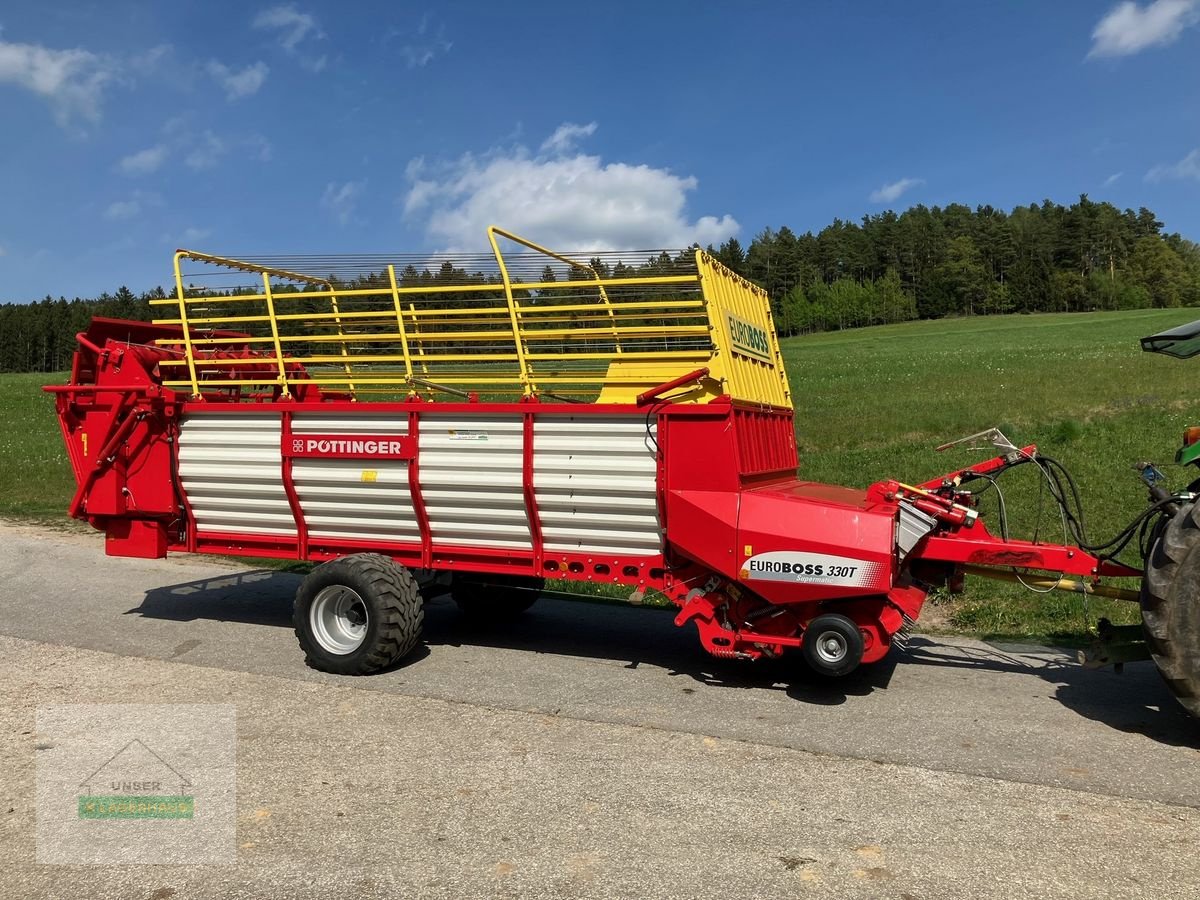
(1061, 485)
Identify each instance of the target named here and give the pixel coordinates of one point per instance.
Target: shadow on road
(1136, 701)
(257, 597)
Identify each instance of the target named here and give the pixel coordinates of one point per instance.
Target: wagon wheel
(358, 614)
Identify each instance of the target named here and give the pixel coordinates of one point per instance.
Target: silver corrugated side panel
(352, 499)
(594, 480)
(229, 469)
(911, 526)
(471, 479)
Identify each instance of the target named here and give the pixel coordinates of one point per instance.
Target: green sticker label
(748, 339)
(121, 806)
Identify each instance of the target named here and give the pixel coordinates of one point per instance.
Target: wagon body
(545, 416)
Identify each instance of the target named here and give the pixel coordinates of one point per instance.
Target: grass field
(35, 478)
(872, 403)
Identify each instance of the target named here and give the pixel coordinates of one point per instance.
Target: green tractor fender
(1181, 342)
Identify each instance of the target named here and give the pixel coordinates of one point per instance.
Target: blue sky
(134, 128)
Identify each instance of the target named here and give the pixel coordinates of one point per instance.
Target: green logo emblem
(748, 339)
(136, 783)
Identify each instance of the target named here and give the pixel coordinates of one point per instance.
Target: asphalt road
(597, 751)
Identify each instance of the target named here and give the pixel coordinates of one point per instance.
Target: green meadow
(35, 478)
(873, 403)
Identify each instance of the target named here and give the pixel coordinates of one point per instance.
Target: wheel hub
(339, 619)
(831, 647)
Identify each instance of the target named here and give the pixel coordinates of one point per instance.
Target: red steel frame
(727, 499)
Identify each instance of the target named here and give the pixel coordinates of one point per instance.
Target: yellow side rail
(494, 233)
(612, 327)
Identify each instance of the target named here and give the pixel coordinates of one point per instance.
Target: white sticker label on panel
(468, 435)
(814, 568)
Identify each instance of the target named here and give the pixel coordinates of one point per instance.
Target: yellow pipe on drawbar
(1056, 584)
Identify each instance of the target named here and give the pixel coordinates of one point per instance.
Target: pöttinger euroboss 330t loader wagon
(615, 419)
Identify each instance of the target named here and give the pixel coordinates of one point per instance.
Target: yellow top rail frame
(533, 322)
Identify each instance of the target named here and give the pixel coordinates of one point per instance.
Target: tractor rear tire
(358, 614)
(1171, 606)
(493, 599)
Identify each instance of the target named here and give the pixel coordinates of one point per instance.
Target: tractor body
(1170, 595)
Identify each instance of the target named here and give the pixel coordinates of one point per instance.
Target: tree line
(923, 263)
(929, 262)
(40, 336)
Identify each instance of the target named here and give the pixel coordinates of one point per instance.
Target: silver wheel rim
(338, 618)
(831, 647)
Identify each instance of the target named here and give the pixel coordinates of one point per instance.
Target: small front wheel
(833, 645)
(358, 614)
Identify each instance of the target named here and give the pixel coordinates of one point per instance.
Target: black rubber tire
(395, 613)
(849, 634)
(1171, 606)
(495, 598)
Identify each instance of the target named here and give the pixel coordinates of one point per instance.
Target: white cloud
(1112, 179)
(259, 147)
(122, 209)
(1187, 169)
(417, 57)
(71, 81)
(576, 202)
(341, 199)
(238, 84)
(198, 149)
(1129, 28)
(205, 151)
(422, 192)
(425, 44)
(565, 136)
(289, 24)
(144, 161)
(186, 238)
(146, 63)
(292, 28)
(137, 203)
(890, 193)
